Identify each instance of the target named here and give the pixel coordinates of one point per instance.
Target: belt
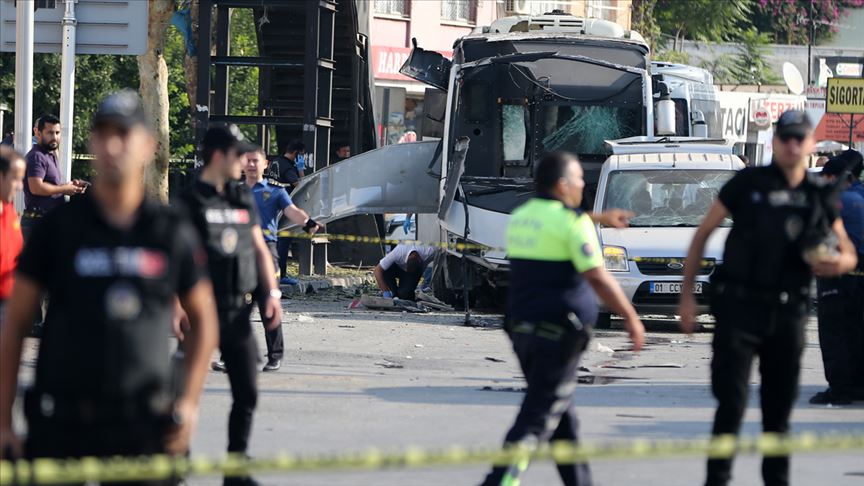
(32, 213)
(744, 292)
(547, 329)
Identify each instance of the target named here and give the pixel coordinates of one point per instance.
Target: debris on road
(390, 365)
(494, 360)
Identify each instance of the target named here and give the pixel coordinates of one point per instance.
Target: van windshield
(674, 197)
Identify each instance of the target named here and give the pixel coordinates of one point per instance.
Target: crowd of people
(115, 271)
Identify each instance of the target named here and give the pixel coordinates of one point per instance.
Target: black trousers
(402, 283)
(273, 338)
(283, 246)
(549, 357)
(240, 354)
(841, 332)
(66, 438)
(775, 333)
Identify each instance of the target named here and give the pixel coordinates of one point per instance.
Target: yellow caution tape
(374, 240)
(460, 246)
(118, 469)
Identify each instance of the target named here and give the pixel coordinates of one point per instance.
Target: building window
(459, 10)
(401, 8)
(535, 7)
(601, 9)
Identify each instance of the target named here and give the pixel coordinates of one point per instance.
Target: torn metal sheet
(392, 179)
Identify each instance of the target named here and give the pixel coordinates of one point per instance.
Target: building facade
(437, 24)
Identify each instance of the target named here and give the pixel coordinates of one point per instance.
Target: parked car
(669, 185)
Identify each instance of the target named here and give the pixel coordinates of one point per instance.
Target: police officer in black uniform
(239, 261)
(113, 262)
(781, 235)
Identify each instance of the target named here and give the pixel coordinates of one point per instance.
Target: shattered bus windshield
(676, 197)
(583, 128)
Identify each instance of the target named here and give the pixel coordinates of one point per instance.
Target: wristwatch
(275, 294)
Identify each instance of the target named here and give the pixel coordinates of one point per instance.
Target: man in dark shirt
(841, 306)
(43, 190)
(290, 167)
(239, 262)
(113, 261)
(287, 169)
(760, 295)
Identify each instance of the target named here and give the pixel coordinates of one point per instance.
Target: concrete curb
(326, 283)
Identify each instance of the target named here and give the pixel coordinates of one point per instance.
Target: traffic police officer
(760, 294)
(223, 211)
(841, 307)
(555, 262)
(113, 262)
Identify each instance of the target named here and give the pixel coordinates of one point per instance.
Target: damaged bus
(513, 91)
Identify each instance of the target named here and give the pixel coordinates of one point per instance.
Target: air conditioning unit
(517, 6)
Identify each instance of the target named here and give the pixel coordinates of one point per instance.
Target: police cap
(793, 123)
(121, 109)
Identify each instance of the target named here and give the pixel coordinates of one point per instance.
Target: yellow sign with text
(845, 95)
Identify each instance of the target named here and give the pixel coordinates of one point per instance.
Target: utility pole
(67, 89)
(810, 45)
(24, 24)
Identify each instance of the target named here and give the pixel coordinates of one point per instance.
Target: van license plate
(672, 287)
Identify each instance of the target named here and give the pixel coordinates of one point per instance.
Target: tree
(721, 68)
(644, 21)
(705, 20)
(790, 22)
(672, 56)
(750, 65)
(153, 74)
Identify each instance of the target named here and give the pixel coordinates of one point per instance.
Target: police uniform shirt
(549, 246)
(112, 297)
(764, 247)
(224, 222)
(270, 200)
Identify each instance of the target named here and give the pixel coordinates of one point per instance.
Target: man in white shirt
(399, 272)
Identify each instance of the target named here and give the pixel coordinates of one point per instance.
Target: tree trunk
(154, 94)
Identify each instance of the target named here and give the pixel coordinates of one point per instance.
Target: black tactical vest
(225, 223)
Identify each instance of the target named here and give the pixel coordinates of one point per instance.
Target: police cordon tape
(461, 246)
(120, 469)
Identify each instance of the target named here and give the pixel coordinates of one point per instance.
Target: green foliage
(750, 66)
(179, 112)
(644, 21)
(97, 76)
(243, 81)
(705, 20)
(721, 67)
(672, 56)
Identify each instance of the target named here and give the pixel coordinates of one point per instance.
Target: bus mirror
(664, 111)
(698, 126)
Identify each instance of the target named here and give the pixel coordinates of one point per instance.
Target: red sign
(386, 61)
(835, 127)
(776, 105)
(761, 118)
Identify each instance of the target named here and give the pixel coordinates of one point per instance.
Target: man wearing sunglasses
(786, 229)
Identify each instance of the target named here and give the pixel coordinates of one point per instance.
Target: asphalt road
(357, 379)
